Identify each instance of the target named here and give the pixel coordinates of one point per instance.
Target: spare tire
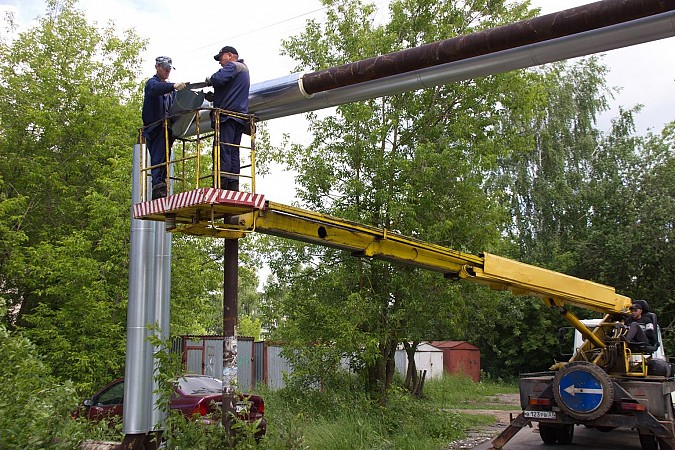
(583, 390)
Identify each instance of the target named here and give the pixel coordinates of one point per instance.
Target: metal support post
(230, 288)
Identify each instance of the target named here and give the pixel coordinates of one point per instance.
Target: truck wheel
(649, 442)
(583, 390)
(564, 434)
(548, 433)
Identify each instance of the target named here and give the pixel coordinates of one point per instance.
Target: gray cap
(164, 61)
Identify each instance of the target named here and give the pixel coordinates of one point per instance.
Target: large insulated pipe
(543, 28)
(138, 369)
(574, 32)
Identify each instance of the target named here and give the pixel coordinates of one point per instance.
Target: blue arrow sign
(580, 391)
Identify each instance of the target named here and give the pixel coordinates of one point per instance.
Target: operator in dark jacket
(231, 85)
(157, 101)
(640, 328)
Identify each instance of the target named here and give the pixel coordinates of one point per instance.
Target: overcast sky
(192, 32)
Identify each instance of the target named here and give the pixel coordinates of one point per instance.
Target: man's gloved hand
(179, 86)
(208, 81)
(208, 96)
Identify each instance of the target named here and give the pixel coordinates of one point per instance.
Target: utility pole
(230, 300)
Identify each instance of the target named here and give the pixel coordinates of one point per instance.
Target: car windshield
(200, 385)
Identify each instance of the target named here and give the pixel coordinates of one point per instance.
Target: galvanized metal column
(139, 360)
(162, 263)
(230, 299)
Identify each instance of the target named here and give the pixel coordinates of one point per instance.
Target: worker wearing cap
(640, 328)
(157, 101)
(230, 85)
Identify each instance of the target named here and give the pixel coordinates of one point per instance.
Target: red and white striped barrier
(198, 197)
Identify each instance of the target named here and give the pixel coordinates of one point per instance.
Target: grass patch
(348, 419)
(460, 392)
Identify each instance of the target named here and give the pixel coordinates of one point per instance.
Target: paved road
(584, 438)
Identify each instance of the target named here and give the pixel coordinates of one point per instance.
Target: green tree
(197, 285)
(249, 327)
(656, 200)
(414, 163)
(593, 205)
(68, 113)
(653, 249)
(545, 183)
(547, 179)
(629, 242)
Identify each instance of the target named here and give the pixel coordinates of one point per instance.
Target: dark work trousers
(636, 334)
(156, 143)
(230, 133)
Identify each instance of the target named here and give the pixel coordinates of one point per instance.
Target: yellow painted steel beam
(554, 288)
(503, 273)
(589, 344)
(583, 329)
(321, 229)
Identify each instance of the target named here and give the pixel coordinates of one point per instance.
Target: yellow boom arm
(231, 221)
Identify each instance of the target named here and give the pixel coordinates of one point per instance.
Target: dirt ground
(506, 406)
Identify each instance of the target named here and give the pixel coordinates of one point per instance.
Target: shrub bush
(34, 408)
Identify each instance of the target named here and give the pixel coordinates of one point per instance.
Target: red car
(194, 395)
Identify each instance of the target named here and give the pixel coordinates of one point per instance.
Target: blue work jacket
(230, 87)
(157, 101)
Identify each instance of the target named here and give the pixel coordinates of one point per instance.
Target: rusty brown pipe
(531, 31)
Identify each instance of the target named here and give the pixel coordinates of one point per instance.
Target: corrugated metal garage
(460, 357)
(427, 357)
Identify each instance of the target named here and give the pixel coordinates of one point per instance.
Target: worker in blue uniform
(230, 92)
(157, 101)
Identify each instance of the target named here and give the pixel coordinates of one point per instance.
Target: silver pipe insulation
(162, 302)
(139, 352)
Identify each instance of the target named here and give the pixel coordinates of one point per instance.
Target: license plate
(539, 414)
(241, 407)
